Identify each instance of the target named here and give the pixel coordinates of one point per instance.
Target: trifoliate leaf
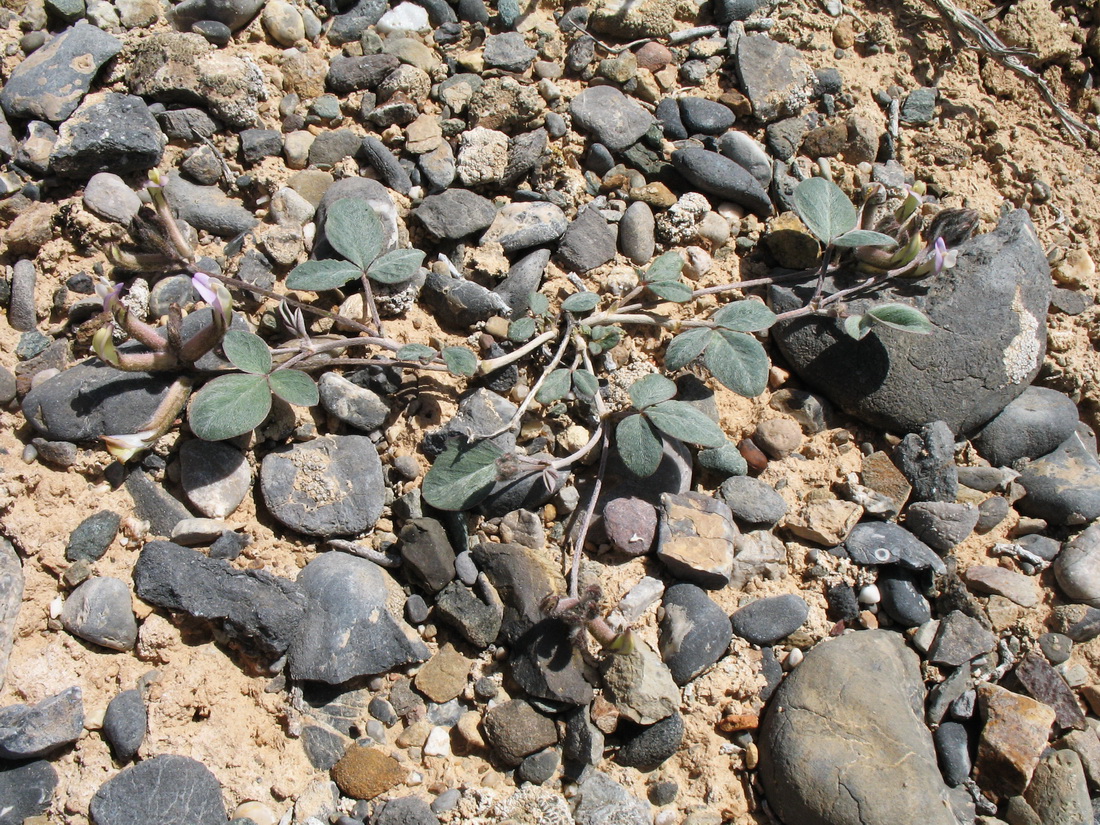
(824, 208)
(639, 445)
(318, 276)
(686, 347)
(294, 387)
(354, 231)
(652, 389)
(738, 361)
(247, 352)
(581, 302)
(229, 406)
(554, 387)
(462, 475)
(396, 267)
(683, 421)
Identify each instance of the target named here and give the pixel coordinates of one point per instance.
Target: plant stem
(545, 372)
(582, 535)
(494, 364)
(368, 301)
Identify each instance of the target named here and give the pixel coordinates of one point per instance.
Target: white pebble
(870, 594)
(439, 742)
(794, 658)
(257, 812)
(414, 778)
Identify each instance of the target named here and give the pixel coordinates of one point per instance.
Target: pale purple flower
(205, 287)
(110, 294)
(942, 257)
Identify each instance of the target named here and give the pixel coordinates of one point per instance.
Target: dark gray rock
(547, 665)
(99, 611)
(523, 278)
(478, 621)
(774, 76)
(354, 74)
(455, 214)
(11, 597)
(206, 207)
(124, 724)
(887, 543)
(653, 745)
(1032, 425)
(473, 11)
(30, 731)
(611, 117)
(601, 800)
(438, 169)
(350, 25)
(331, 147)
(729, 11)
(941, 524)
(717, 175)
(953, 750)
(901, 597)
(330, 486)
(749, 154)
(257, 144)
(22, 314)
(323, 747)
(514, 730)
(458, 302)
(695, 632)
(154, 504)
(523, 578)
(427, 553)
(766, 621)
(959, 639)
(1077, 568)
(186, 124)
(583, 743)
(406, 810)
(479, 414)
(1063, 487)
(975, 362)
(851, 716)
(919, 106)
(672, 122)
(416, 609)
(92, 399)
(49, 84)
(526, 490)
(257, 611)
(523, 225)
(385, 164)
(347, 630)
(508, 51)
(27, 789)
(93, 536)
(539, 768)
(356, 406)
(1056, 647)
(525, 152)
(927, 459)
(168, 790)
(439, 12)
(214, 476)
(232, 13)
(705, 117)
(203, 165)
(589, 242)
(991, 512)
(753, 501)
(176, 289)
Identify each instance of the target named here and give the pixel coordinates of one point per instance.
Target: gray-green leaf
(460, 360)
(585, 384)
(865, 237)
(538, 303)
(415, 352)
(857, 326)
(354, 231)
(683, 421)
(318, 276)
(738, 361)
(824, 208)
(652, 389)
(396, 267)
(639, 445)
(462, 475)
(676, 291)
(581, 302)
(554, 387)
(247, 352)
(665, 268)
(686, 347)
(229, 406)
(745, 316)
(900, 316)
(521, 329)
(294, 387)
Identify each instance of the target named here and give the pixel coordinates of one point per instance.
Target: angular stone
(455, 214)
(774, 76)
(886, 543)
(444, 675)
(603, 801)
(942, 525)
(615, 120)
(50, 83)
(109, 132)
(257, 611)
(523, 578)
(154, 504)
(960, 639)
(514, 729)
(1058, 792)
(967, 371)
(99, 611)
(523, 225)
(1063, 487)
(850, 716)
(880, 474)
(30, 731)
(27, 789)
(640, 685)
(351, 625)
(548, 665)
(427, 553)
(329, 486)
(827, 522)
(1014, 735)
(1021, 589)
(364, 773)
(1045, 684)
(478, 621)
(927, 458)
(11, 597)
(695, 538)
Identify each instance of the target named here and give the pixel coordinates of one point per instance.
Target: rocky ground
(880, 607)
